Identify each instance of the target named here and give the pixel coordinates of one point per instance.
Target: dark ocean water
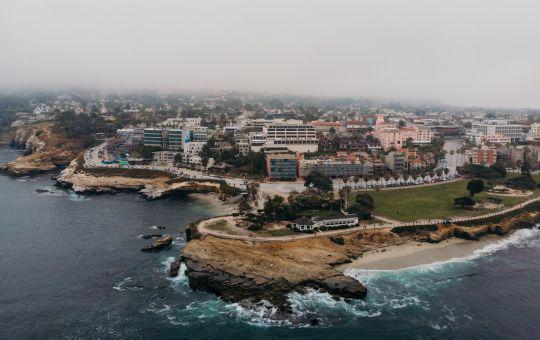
(71, 266)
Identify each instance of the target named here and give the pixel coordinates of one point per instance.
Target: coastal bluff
(45, 149)
(151, 184)
(242, 270)
(239, 270)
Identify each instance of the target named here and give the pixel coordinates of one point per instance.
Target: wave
(126, 284)
(73, 196)
(522, 238)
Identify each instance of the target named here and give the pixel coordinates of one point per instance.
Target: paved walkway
(388, 224)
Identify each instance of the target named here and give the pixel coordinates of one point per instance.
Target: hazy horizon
(457, 53)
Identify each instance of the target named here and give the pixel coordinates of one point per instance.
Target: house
(302, 224)
(309, 224)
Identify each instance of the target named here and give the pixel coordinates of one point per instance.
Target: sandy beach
(419, 253)
(216, 204)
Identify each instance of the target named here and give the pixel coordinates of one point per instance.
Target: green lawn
(428, 202)
(219, 225)
(276, 232)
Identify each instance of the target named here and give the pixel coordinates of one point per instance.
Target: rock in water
(147, 236)
(175, 267)
(159, 244)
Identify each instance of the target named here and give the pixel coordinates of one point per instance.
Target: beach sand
(215, 203)
(419, 253)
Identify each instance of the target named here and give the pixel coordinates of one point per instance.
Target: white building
(310, 224)
(131, 136)
(492, 127)
(164, 157)
(295, 137)
(192, 151)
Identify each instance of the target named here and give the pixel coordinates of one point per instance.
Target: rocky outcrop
(159, 244)
(45, 150)
(443, 232)
(175, 267)
(150, 184)
(239, 270)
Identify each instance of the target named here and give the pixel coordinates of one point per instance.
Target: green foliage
(522, 182)
(464, 201)
(243, 205)
(363, 206)
(276, 208)
(493, 172)
(475, 186)
(311, 200)
(145, 151)
(318, 181)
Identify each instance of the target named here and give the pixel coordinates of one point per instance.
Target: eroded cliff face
(443, 232)
(150, 184)
(46, 150)
(239, 270)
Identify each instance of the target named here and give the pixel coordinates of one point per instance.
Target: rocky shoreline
(149, 183)
(45, 150)
(238, 270)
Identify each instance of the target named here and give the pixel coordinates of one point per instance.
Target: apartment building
(396, 162)
(300, 138)
(502, 127)
(131, 136)
(390, 136)
(484, 155)
(332, 167)
(164, 157)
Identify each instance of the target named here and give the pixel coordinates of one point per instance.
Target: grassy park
(429, 202)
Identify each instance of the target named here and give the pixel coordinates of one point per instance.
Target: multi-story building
(395, 161)
(155, 137)
(326, 127)
(164, 157)
(174, 139)
(257, 140)
(192, 151)
(390, 136)
(534, 132)
(332, 167)
(281, 166)
(492, 127)
(131, 136)
(242, 143)
(484, 155)
(296, 137)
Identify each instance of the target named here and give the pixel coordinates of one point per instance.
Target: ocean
(71, 266)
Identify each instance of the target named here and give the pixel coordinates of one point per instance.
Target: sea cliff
(151, 184)
(240, 270)
(45, 149)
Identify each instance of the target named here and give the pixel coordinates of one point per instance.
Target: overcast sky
(473, 52)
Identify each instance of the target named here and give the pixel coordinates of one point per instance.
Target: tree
(464, 201)
(344, 196)
(363, 206)
(318, 181)
(499, 168)
(276, 207)
(526, 167)
(475, 186)
(401, 123)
